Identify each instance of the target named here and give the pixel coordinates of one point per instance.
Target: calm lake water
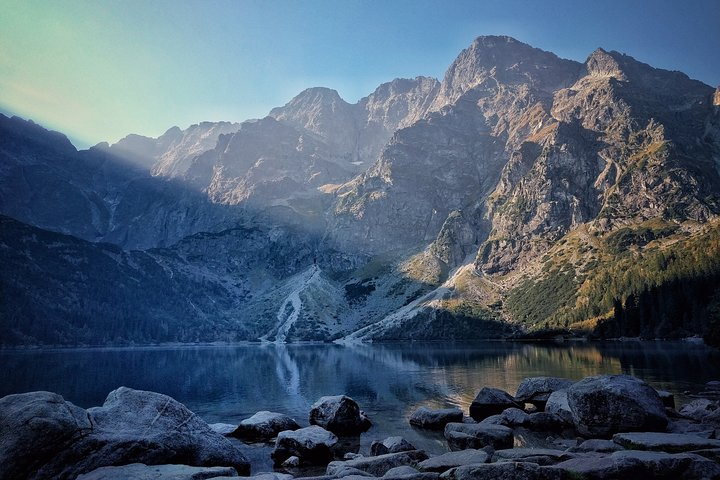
(229, 383)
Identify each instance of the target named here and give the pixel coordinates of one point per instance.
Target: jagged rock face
(357, 132)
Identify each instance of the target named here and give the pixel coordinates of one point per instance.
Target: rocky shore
(604, 427)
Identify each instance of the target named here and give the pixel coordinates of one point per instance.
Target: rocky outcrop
(131, 427)
(604, 405)
(339, 414)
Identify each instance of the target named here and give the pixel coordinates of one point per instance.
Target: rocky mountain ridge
(450, 203)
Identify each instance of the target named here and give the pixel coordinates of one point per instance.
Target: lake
(229, 383)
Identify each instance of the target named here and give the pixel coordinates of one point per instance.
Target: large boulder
(55, 439)
(557, 404)
(264, 426)
(504, 471)
(378, 466)
(607, 404)
(664, 442)
(312, 445)
(390, 445)
(435, 419)
(639, 464)
(446, 461)
(461, 436)
(537, 390)
(139, 471)
(491, 401)
(340, 415)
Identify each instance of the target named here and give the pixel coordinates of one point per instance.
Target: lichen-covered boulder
(312, 445)
(435, 419)
(491, 401)
(607, 404)
(264, 426)
(339, 414)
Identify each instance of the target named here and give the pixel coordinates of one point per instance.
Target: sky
(99, 70)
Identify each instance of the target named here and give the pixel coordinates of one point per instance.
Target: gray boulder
(312, 445)
(449, 460)
(504, 471)
(461, 436)
(401, 471)
(264, 426)
(139, 471)
(435, 419)
(537, 390)
(702, 410)
(664, 442)
(596, 445)
(546, 422)
(540, 456)
(512, 417)
(224, 429)
(638, 464)
(131, 427)
(390, 445)
(607, 404)
(491, 401)
(379, 465)
(340, 415)
(557, 404)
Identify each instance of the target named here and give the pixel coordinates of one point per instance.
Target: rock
(668, 399)
(340, 415)
(702, 410)
(605, 467)
(691, 427)
(504, 471)
(540, 456)
(313, 445)
(224, 429)
(545, 422)
(608, 404)
(663, 465)
(131, 427)
(345, 471)
(713, 454)
(513, 417)
(557, 403)
(665, 442)
(493, 420)
(491, 401)
(435, 419)
(461, 436)
(449, 460)
(401, 471)
(390, 445)
(596, 445)
(291, 462)
(537, 390)
(379, 465)
(264, 426)
(353, 456)
(139, 471)
(271, 476)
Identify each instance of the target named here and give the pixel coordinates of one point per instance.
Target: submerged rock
(435, 419)
(132, 426)
(312, 445)
(264, 426)
(340, 415)
(491, 401)
(607, 404)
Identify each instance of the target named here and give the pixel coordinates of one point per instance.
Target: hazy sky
(98, 70)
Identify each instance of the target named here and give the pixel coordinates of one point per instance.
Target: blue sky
(98, 70)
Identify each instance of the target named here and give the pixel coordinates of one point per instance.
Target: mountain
(524, 193)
